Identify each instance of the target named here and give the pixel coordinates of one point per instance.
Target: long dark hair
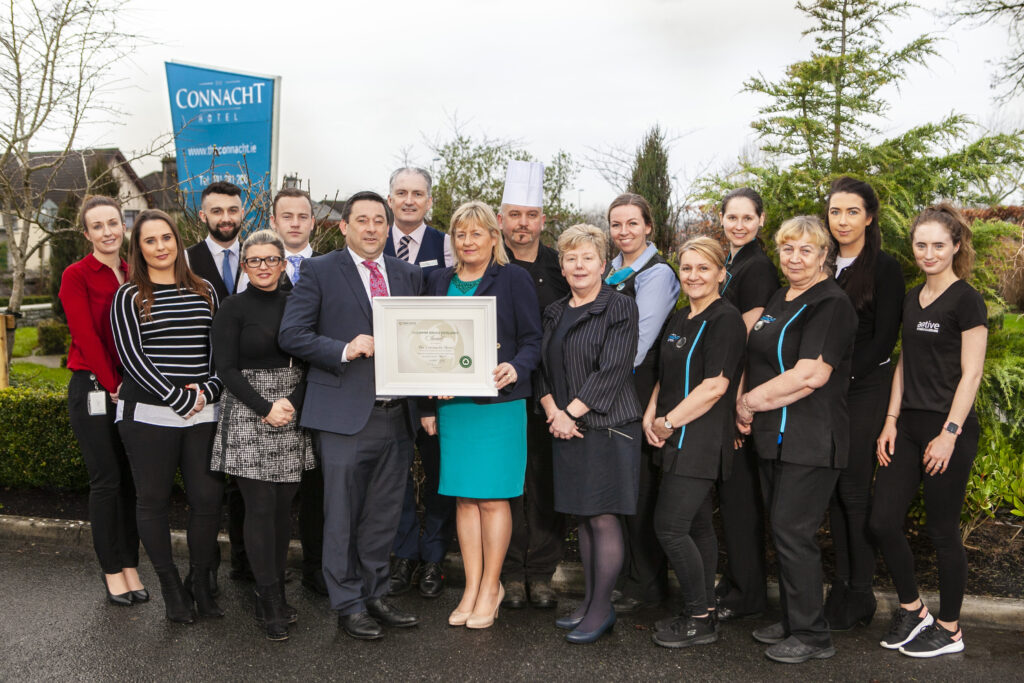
(859, 277)
(949, 217)
(138, 270)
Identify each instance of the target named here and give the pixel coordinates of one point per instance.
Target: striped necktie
(403, 248)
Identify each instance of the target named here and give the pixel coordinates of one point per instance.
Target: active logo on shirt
(928, 326)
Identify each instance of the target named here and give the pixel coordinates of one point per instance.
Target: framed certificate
(435, 345)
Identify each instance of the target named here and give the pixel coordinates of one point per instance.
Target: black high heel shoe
(141, 595)
(122, 600)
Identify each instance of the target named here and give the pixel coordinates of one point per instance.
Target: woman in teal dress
(483, 440)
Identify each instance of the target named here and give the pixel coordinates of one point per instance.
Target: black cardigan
(878, 323)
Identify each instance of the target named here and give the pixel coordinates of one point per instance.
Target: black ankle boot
(177, 603)
(271, 606)
(858, 608)
(197, 583)
(835, 603)
(293, 614)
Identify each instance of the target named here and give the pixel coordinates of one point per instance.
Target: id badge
(97, 403)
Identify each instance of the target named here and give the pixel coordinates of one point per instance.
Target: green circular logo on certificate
(465, 361)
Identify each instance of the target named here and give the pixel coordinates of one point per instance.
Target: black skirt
(600, 473)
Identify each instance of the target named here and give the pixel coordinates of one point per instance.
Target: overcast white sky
(363, 80)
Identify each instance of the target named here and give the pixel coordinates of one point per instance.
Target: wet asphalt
(55, 625)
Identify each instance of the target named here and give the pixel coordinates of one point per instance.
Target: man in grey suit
(365, 441)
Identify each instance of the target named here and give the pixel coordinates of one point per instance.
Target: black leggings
(268, 507)
(111, 490)
(895, 488)
(683, 523)
(850, 506)
(156, 453)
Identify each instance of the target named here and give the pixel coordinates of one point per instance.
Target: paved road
(54, 625)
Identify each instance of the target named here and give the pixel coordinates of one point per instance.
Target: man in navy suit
(365, 441)
(416, 554)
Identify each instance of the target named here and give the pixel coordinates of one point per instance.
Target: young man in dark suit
(420, 555)
(216, 260)
(365, 441)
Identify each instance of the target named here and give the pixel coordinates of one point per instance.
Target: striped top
(162, 355)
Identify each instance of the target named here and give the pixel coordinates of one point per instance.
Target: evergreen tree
(650, 179)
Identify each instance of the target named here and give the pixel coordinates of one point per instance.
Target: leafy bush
(38, 448)
(33, 299)
(54, 338)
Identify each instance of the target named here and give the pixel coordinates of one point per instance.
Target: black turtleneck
(245, 338)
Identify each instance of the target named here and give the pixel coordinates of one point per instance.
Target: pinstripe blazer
(598, 356)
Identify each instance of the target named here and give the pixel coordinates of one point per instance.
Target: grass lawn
(39, 376)
(1013, 322)
(25, 339)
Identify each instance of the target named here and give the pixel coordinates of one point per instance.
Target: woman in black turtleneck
(874, 282)
(259, 441)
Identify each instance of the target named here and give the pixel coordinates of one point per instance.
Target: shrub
(37, 447)
(54, 338)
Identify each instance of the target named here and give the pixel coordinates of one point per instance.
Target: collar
(95, 264)
(746, 252)
(649, 252)
(358, 260)
(416, 235)
(306, 252)
(216, 248)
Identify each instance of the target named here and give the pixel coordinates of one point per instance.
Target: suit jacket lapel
(351, 275)
(488, 280)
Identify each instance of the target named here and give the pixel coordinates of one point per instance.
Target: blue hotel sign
(225, 128)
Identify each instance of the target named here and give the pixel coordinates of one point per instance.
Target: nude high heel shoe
(457, 618)
(486, 622)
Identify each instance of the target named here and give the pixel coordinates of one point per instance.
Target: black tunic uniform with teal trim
(751, 279)
(821, 322)
(692, 350)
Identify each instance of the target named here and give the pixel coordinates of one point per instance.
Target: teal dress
(483, 445)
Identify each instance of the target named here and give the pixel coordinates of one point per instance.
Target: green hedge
(32, 299)
(37, 447)
(54, 338)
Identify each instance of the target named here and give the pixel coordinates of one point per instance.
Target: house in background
(72, 177)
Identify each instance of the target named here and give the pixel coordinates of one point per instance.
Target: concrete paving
(55, 625)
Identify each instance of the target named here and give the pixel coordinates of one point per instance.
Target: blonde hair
(259, 237)
(809, 227)
(707, 247)
(478, 213)
(575, 236)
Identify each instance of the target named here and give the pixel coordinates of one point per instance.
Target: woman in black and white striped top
(167, 407)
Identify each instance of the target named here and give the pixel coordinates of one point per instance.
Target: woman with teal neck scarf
(641, 273)
(483, 440)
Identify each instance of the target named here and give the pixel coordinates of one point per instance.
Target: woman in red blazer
(86, 291)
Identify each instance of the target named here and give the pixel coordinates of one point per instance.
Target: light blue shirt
(657, 290)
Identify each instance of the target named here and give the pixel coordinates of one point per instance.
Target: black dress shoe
(401, 576)
(542, 595)
(390, 615)
(121, 600)
(141, 595)
(729, 614)
(314, 581)
(626, 604)
(360, 626)
(515, 595)
(432, 580)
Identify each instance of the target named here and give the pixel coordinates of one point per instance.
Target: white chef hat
(524, 184)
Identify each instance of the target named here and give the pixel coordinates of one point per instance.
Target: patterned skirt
(245, 446)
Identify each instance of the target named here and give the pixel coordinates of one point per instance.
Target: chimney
(292, 181)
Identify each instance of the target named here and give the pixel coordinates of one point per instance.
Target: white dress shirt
(364, 275)
(307, 252)
(416, 239)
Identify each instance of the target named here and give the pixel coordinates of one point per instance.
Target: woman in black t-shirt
(931, 430)
(690, 419)
(751, 279)
(874, 282)
(798, 372)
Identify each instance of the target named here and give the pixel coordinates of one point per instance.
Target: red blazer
(87, 290)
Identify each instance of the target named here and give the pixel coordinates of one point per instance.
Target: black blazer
(598, 352)
(519, 331)
(200, 260)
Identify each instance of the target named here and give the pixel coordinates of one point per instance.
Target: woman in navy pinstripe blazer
(587, 392)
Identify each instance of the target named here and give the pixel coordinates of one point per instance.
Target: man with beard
(216, 259)
(413, 241)
(537, 530)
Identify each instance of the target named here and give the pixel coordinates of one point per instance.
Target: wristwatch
(668, 424)
(953, 428)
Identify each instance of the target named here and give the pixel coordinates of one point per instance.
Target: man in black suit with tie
(216, 260)
(365, 441)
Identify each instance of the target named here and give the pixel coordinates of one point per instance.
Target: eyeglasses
(256, 261)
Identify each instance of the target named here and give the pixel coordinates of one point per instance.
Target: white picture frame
(435, 345)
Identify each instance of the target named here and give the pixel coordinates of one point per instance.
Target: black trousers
(538, 532)
(645, 571)
(744, 584)
(156, 454)
(235, 503)
(683, 522)
(850, 506)
(896, 486)
(364, 483)
(796, 497)
(311, 519)
(115, 535)
(267, 526)
(438, 510)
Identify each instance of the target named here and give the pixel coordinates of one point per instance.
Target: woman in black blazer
(483, 440)
(586, 390)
